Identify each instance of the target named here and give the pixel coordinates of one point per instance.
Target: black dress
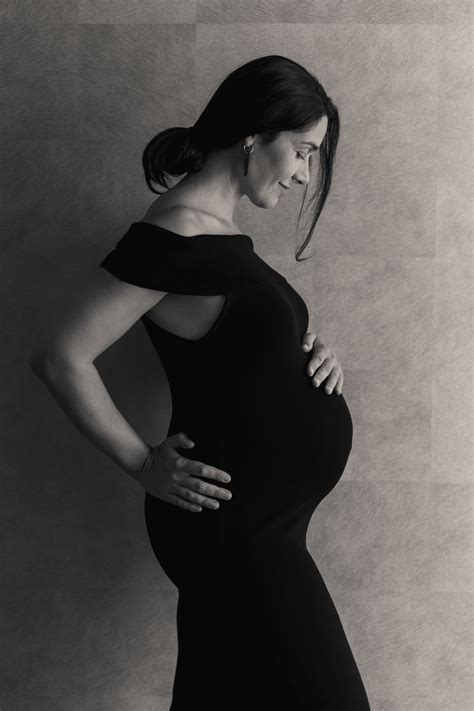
(256, 626)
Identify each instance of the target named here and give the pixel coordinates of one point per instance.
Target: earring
(247, 150)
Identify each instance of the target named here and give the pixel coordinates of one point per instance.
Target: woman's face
(285, 161)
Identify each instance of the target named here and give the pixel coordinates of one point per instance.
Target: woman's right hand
(169, 476)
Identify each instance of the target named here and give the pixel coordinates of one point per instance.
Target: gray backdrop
(88, 616)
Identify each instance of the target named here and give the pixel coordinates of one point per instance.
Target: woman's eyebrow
(313, 145)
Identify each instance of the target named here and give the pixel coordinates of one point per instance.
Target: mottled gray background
(88, 616)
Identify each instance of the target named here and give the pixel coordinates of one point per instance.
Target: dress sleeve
(155, 258)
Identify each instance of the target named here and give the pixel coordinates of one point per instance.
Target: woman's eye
(300, 155)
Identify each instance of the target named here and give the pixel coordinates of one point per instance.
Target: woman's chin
(265, 201)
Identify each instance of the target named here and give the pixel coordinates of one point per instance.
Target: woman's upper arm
(104, 309)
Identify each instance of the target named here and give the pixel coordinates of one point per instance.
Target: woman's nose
(302, 177)
(302, 181)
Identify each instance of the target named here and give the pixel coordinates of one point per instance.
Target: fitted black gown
(256, 626)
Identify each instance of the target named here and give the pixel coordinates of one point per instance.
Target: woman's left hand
(322, 363)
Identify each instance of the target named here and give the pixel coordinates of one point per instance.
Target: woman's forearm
(82, 395)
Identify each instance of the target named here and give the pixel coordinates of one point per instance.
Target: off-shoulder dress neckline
(166, 231)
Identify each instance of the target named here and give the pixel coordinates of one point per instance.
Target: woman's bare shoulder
(184, 220)
(177, 218)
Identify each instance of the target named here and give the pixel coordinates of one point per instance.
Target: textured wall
(87, 614)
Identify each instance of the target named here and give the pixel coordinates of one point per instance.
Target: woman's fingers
(192, 466)
(196, 498)
(179, 501)
(180, 439)
(202, 487)
(331, 381)
(172, 477)
(189, 484)
(339, 384)
(328, 367)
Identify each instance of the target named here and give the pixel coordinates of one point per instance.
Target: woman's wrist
(142, 466)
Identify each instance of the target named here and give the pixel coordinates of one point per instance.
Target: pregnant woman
(254, 444)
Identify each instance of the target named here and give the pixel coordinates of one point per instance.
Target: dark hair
(264, 96)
